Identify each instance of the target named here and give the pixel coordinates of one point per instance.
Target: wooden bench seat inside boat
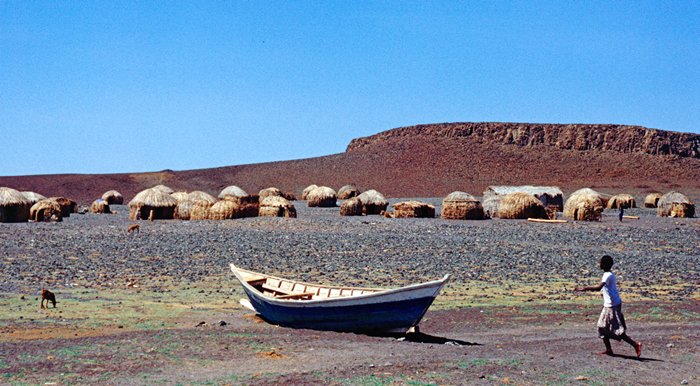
(305, 295)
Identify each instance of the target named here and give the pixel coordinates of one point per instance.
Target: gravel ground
(95, 251)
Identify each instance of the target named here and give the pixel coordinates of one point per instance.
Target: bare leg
(637, 346)
(608, 347)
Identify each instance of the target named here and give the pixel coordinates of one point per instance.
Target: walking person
(622, 212)
(611, 324)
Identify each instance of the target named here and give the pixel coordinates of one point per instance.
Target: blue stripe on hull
(356, 318)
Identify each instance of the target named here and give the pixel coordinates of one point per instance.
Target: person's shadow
(419, 337)
(634, 358)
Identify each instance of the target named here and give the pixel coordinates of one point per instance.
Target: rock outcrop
(620, 138)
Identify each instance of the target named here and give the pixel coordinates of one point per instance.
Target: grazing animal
(134, 228)
(47, 296)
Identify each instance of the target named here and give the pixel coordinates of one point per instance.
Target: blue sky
(107, 87)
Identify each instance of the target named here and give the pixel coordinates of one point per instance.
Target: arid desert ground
(161, 306)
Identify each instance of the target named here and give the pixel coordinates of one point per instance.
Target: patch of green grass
(479, 362)
(369, 380)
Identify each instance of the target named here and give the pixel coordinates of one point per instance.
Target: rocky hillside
(620, 138)
(434, 160)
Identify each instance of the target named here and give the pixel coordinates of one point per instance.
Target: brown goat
(47, 296)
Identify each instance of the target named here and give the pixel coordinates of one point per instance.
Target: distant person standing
(611, 324)
(622, 212)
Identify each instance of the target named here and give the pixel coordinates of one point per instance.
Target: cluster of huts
(505, 202)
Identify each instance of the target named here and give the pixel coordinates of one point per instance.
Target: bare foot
(638, 349)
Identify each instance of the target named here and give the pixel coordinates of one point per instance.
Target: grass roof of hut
(520, 205)
(232, 190)
(111, 193)
(198, 195)
(9, 196)
(372, 197)
(180, 196)
(164, 189)
(271, 191)
(33, 197)
(154, 198)
(530, 189)
(458, 196)
(308, 190)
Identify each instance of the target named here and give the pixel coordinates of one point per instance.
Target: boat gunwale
(439, 283)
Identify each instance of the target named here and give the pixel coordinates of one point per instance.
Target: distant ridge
(434, 160)
(622, 138)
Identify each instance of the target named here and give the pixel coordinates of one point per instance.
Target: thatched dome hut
(373, 202)
(521, 206)
(490, 206)
(322, 196)
(621, 200)
(232, 190)
(584, 205)
(182, 210)
(198, 195)
(164, 189)
(14, 207)
(222, 210)
(152, 204)
(45, 210)
(113, 197)
(462, 206)
(651, 200)
(276, 206)
(180, 196)
(200, 210)
(246, 206)
(413, 209)
(100, 206)
(33, 197)
(348, 191)
(307, 190)
(548, 195)
(68, 206)
(351, 207)
(675, 204)
(269, 192)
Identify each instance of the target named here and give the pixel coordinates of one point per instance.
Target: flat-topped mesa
(620, 138)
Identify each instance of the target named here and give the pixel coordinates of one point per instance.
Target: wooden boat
(296, 304)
